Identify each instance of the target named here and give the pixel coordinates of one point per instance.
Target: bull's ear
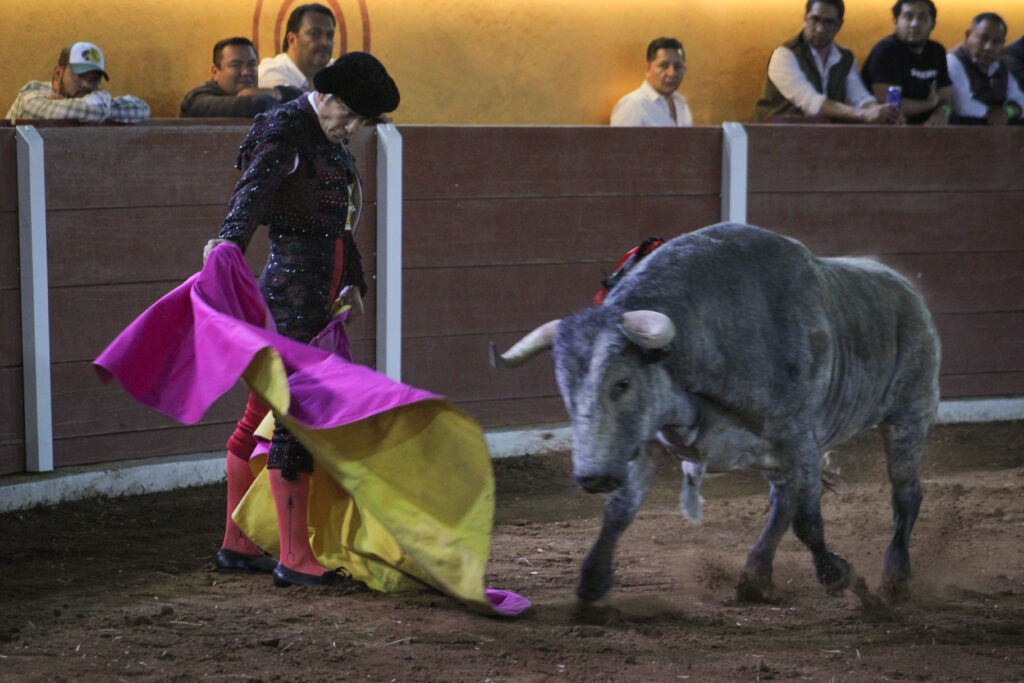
(648, 329)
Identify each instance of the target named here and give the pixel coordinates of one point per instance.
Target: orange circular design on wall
(341, 34)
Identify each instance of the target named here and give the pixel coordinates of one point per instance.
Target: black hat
(362, 83)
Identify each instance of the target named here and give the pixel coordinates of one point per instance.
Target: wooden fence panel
(504, 229)
(12, 416)
(448, 162)
(941, 206)
(124, 229)
(806, 159)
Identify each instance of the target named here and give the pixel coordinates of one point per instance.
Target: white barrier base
(133, 477)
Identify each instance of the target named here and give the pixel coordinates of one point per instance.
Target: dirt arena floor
(119, 589)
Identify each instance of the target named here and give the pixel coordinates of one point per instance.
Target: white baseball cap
(86, 57)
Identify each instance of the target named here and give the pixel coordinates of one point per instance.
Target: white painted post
(35, 306)
(389, 251)
(734, 172)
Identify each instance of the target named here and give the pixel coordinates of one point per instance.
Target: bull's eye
(619, 388)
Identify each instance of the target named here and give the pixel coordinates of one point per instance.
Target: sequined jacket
(312, 200)
(297, 183)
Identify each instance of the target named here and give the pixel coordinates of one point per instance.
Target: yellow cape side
(400, 499)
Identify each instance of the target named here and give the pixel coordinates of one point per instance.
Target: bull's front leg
(755, 584)
(596, 575)
(833, 571)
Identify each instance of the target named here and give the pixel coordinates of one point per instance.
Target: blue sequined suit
(297, 183)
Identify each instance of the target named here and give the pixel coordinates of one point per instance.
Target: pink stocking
(292, 501)
(239, 480)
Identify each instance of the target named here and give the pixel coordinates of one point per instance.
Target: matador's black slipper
(234, 562)
(284, 577)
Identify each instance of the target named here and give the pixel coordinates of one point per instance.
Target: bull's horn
(648, 329)
(526, 348)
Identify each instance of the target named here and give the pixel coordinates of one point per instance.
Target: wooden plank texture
(517, 412)
(970, 282)
(525, 161)
(458, 368)
(477, 232)
(830, 158)
(982, 342)
(155, 166)
(12, 458)
(12, 406)
(10, 337)
(8, 170)
(82, 405)
(10, 260)
(982, 385)
(175, 440)
(460, 301)
(97, 167)
(848, 223)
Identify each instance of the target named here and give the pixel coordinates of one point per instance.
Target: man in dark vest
(912, 61)
(811, 76)
(1013, 55)
(984, 92)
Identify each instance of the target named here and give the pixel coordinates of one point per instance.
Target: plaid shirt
(32, 103)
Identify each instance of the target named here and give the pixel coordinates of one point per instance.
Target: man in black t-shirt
(910, 60)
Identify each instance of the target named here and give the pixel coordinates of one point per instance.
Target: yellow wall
(463, 61)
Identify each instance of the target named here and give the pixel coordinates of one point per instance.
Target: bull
(735, 347)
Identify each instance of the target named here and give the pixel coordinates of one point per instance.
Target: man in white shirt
(984, 91)
(812, 76)
(307, 48)
(656, 102)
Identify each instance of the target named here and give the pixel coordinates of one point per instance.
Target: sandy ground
(118, 589)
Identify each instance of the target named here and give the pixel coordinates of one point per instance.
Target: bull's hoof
(896, 579)
(895, 593)
(592, 595)
(753, 588)
(836, 574)
(599, 613)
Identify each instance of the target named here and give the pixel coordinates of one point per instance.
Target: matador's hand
(348, 298)
(209, 247)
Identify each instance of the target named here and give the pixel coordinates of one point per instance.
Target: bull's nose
(598, 483)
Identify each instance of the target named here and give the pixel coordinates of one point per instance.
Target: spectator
(307, 48)
(233, 88)
(75, 92)
(910, 60)
(984, 92)
(1013, 56)
(656, 102)
(811, 76)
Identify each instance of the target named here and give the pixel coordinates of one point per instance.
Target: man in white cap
(75, 92)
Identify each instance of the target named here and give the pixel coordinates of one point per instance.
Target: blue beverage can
(895, 96)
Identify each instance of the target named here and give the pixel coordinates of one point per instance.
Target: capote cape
(403, 494)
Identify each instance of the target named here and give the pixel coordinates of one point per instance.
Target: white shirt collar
(831, 58)
(653, 95)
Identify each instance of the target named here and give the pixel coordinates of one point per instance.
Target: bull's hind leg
(904, 447)
(596, 575)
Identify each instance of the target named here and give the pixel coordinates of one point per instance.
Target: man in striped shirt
(75, 92)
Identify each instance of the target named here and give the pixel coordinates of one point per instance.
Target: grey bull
(735, 347)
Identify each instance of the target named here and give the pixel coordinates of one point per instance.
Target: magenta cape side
(191, 346)
(411, 497)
